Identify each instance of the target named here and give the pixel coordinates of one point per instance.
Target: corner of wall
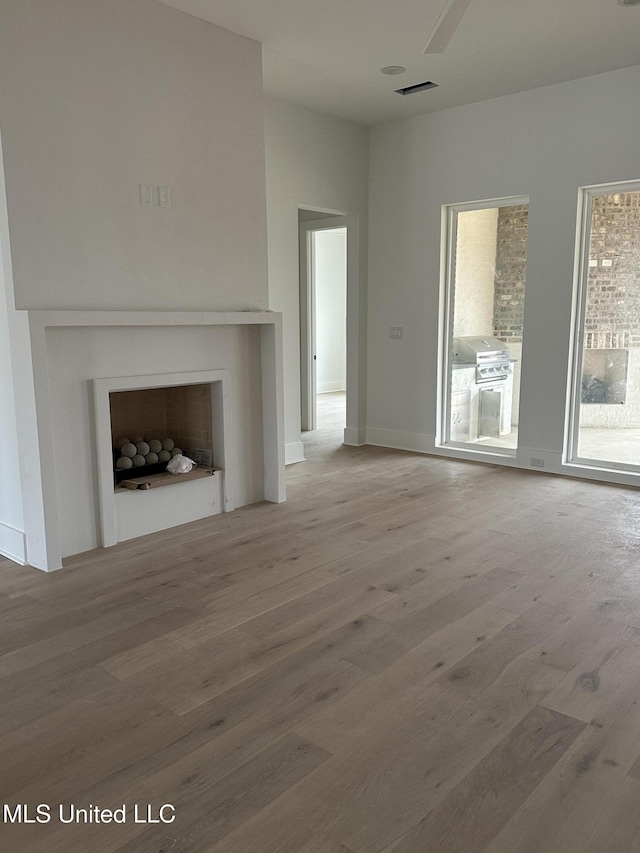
(19, 461)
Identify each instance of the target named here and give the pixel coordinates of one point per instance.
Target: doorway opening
(324, 247)
(330, 288)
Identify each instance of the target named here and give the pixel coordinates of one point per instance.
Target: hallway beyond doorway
(331, 414)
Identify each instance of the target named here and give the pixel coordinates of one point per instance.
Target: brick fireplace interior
(181, 412)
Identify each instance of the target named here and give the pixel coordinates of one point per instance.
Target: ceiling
(327, 54)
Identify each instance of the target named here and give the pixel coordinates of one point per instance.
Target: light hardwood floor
(412, 655)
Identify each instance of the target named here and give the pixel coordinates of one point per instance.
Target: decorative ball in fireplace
(152, 454)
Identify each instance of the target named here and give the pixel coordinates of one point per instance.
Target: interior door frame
(308, 384)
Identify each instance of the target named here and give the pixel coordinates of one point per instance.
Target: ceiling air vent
(417, 87)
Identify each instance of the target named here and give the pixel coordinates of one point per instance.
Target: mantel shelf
(57, 318)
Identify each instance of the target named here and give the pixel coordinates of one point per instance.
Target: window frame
(586, 196)
(447, 283)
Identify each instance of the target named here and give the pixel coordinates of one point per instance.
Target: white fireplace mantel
(44, 546)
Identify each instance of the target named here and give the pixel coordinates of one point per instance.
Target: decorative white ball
(137, 438)
(143, 448)
(176, 452)
(138, 461)
(168, 444)
(151, 458)
(164, 456)
(155, 446)
(129, 450)
(124, 462)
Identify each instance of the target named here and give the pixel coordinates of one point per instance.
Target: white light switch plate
(164, 196)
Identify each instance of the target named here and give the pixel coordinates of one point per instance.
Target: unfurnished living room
(320, 426)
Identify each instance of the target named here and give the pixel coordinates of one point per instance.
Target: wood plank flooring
(412, 655)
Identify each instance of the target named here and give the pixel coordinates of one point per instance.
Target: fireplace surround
(125, 514)
(78, 357)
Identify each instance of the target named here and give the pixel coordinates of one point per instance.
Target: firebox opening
(169, 419)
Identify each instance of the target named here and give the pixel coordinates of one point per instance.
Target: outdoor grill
(489, 355)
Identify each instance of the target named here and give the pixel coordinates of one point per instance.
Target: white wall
(11, 514)
(319, 162)
(99, 96)
(12, 542)
(331, 309)
(544, 143)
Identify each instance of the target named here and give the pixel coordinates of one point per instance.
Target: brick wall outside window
(612, 318)
(511, 259)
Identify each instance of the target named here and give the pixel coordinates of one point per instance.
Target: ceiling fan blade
(446, 25)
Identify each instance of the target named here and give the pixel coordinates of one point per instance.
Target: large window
(484, 305)
(605, 423)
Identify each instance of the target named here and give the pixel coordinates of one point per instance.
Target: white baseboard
(13, 544)
(355, 437)
(293, 452)
(415, 441)
(527, 458)
(327, 387)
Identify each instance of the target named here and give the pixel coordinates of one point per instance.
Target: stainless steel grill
(489, 355)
